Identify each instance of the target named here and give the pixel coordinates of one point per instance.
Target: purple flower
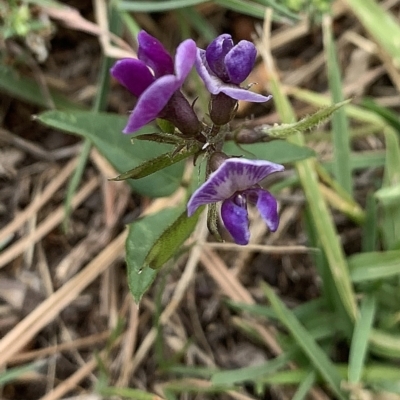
(235, 183)
(155, 79)
(223, 67)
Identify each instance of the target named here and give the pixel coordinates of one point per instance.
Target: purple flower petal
(215, 55)
(153, 53)
(233, 175)
(267, 206)
(235, 218)
(215, 85)
(151, 102)
(133, 74)
(185, 58)
(212, 82)
(239, 93)
(240, 61)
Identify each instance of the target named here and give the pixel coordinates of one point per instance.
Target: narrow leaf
(282, 131)
(319, 211)
(374, 265)
(251, 373)
(171, 240)
(374, 18)
(165, 126)
(359, 342)
(159, 137)
(142, 235)
(370, 228)
(305, 386)
(156, 164)
(28, 90)
(386, 344)
(390, 191)
(104, 130)
(309, 346)
(340, 125)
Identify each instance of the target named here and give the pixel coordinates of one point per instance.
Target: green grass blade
(251, 373)
(392, 118)
(382, 26)
(319, 210)
(385, 344)
(156, 6)
(372, 374)
(29, 90)
(370, 231)
(313, 351)
(359, 342)
(389, 194)
(362, 160)
(131, 25)
(199, 23)
(12, 374)
(371, 266)
(305, 386)
(340, 126)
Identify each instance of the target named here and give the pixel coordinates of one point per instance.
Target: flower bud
(180, 113)
(248, 136)
(222, 108)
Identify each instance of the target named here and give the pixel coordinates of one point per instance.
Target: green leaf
(165, 126)
(29, 90)
(305, 386)
(230, 377)
(373, 16)
(105, 131)
(309, 346)
(389, 196)
(157, 164)
(159, 137)
(171, 240)
(388, 115)
(370, 228)
(155, 6)
(282, 131)
(374, 265)
(359, 342)
(340, 124)
(278, 151)
(257, 10)
(390, 190)
(319, 211)
(12, 374)
(385, 344)
(142, 235)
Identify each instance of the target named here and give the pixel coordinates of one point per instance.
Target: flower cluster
(155, 79)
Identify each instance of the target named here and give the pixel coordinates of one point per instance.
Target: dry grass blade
(71, 18)
(263, 248)
(49, 309)
(232, 287)
(72, 381)
(47, 225)
(48, 351)
(39, 201)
